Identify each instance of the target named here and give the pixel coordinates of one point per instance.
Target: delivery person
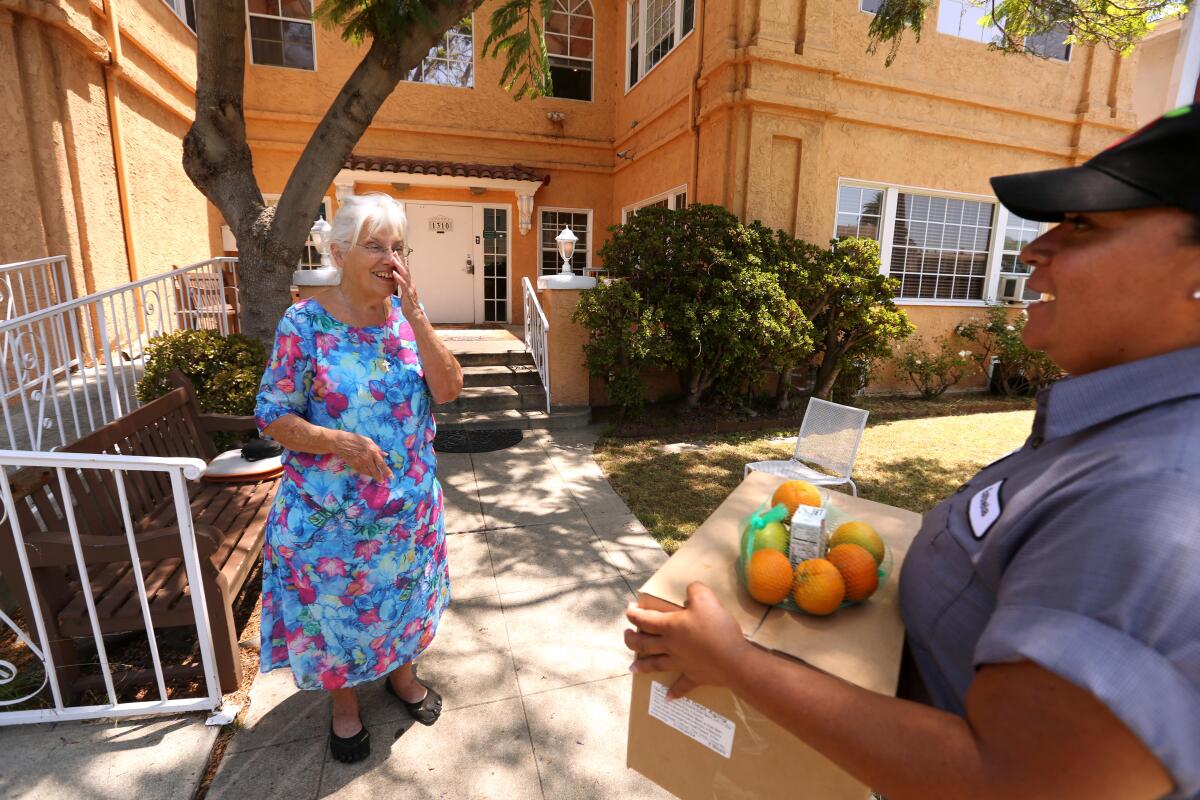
(1052, 604)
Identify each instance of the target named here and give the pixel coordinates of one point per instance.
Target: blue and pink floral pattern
(354, 570)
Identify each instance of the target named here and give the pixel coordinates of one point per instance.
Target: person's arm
(1027, 732)
(301, 436)
(443, 373)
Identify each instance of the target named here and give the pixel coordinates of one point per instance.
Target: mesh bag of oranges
(851, 560)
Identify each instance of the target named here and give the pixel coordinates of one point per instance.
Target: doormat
(476, 441)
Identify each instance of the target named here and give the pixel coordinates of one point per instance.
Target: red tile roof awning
(450, 169)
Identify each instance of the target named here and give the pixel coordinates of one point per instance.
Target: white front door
(443, 243)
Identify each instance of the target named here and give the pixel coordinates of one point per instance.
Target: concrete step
(502, 358)
(560, 419)
(499, 398)
(502, 375)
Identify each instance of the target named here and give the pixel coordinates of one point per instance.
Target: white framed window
(672, 198)
(945, 248)
(654, 28)
(553, 220)
(281, 33)
(570, 32)
(940, 245)
(450, 62)
(495, 264)
(964, 19)
(859, 211)
(870, 6)
(185, 10)
(1018, 232)
(1051, 44)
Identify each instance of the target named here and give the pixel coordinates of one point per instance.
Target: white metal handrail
(33, 285)
(537, 336)
(70, 368)
(177, 470)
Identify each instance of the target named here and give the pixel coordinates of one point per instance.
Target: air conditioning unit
(1011, 289)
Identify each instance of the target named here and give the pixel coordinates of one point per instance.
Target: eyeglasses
(377, 252)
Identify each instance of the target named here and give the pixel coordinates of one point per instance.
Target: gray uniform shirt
(1080, 552)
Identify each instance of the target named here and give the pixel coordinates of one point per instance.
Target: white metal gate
(178, 470)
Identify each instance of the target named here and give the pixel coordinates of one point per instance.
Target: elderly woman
(354, 568)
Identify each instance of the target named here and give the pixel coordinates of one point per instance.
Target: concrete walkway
(544, 556)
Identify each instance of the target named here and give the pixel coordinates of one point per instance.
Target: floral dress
(354, 570)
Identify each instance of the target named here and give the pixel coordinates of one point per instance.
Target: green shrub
(934, 370)
(854, 312)
(623, 329)
(718, 314)
(1018, 369)
(225, 370)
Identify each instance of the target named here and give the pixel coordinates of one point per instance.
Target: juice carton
(808, 534)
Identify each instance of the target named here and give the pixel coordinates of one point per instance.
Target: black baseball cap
(1158, 165)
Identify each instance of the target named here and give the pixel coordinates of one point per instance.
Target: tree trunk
(831, 353)
(784, 389)
(217, 157)
(825, 380)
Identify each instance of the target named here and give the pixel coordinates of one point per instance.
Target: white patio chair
(829, 437)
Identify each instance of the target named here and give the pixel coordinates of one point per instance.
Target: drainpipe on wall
(112, 74)
(694, 103)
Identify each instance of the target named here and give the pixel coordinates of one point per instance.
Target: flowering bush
(1017, 369)
(933, 371)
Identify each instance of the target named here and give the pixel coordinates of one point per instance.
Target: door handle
(470, 268)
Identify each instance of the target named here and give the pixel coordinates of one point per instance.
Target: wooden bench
(228, 519)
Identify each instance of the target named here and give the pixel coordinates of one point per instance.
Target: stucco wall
(169, 215)
(62, 174)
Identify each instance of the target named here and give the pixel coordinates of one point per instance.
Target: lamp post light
(566, 248)
(307, 279)
(319, 234)
(565, 278)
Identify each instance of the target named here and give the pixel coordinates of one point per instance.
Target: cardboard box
(861, 644)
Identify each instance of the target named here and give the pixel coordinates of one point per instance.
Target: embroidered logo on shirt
(984, 509)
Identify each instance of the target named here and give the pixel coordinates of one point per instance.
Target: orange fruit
(794, 494)
(819, 587)
(858, 570)
(769, 577)
(861, 534)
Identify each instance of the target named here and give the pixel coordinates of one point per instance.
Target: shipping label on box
(693, 720)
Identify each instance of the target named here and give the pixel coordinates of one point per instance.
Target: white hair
(361, 216)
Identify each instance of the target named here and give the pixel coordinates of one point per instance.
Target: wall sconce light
(477, 189)
(557, 117)
(626, 154)
(400, 187)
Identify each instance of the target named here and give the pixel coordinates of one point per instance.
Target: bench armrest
(53, 548)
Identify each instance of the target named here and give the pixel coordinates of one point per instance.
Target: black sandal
(427, 710)
(350, 749)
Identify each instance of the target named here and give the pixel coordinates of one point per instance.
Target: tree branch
(215, 154)
(387, 63)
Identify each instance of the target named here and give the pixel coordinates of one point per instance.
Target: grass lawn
(910, 463)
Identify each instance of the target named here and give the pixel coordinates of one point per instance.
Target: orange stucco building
(771, 108)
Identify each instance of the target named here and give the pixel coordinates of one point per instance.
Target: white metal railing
(70, 368)
(537, 335)
(176, 470)
(28, 286)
